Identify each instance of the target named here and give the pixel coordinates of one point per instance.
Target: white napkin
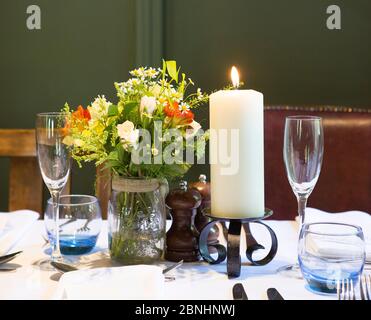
(13, 225)
(3, 221)
(119, 283)
(358, 218)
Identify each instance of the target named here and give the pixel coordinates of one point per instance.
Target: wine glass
(54, 162)
(302, 154)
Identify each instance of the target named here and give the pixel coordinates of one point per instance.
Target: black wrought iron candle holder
(232, 252)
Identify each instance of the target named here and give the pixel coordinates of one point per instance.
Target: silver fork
(365, 287)
(345, 289)
(73, 219)
(85, 227)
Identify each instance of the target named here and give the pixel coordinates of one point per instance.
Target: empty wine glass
(302, 154)
(54, 162)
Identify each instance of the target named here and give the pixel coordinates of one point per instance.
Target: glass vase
(137, 220)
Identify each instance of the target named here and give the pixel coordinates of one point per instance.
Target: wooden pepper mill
(203, 187)
(182, 239)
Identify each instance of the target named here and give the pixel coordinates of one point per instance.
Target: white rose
(128, 135)
(148, 104)
(133, 140)
(124, 129)
(194, 127)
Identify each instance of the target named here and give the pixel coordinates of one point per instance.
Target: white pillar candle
(237, 193)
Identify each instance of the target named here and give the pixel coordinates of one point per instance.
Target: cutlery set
(240, 294)
(345, 288)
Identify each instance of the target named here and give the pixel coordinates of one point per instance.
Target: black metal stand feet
(233, 234)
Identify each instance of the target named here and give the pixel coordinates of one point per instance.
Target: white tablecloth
(193, 280)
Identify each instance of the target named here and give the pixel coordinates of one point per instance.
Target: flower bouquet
(147, 137)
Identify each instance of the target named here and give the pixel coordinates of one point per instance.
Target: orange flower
(180, 115)
(171, 109)
(80, 118)
(81, 114)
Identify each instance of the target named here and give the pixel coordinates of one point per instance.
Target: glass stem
(56, 252)
(302, 204)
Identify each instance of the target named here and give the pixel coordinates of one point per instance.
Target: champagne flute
(54, 162)
(302, 154)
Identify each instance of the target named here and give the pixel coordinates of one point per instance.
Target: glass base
(45, 264)
(290, 271)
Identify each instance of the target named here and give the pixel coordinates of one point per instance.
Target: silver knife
(273, 294)
(9, 257)
(63, 267)
(239, 292)
(174, 266)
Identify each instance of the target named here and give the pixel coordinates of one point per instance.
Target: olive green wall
(82, 48)
(282, 48)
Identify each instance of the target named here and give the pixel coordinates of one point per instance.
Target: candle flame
(235, 77)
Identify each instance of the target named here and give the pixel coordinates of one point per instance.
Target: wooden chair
(25, 181)
(345, 180)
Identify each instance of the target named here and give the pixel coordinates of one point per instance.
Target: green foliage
(112, 110)
(171, 69)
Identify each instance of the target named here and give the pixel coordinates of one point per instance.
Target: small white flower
(148, 105)
(175, 95)
(135, 81)
(99, 107)
(151, 73)
(163, 82)
(154, 151)
(138, 72)
(183, 107)
(200, 96)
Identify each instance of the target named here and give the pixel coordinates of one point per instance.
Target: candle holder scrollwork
(232, 252)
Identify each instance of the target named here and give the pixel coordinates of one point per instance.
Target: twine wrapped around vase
(123, 184)
(134, 185)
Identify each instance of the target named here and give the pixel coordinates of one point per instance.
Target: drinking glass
(330, 253)
(54, 162)
(80, 219)
(302, 154)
